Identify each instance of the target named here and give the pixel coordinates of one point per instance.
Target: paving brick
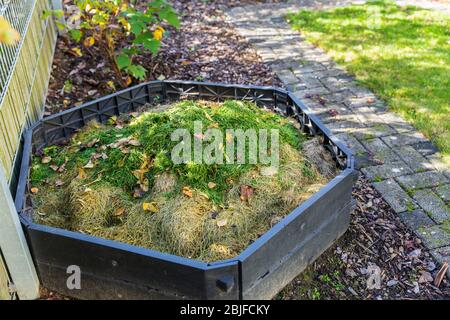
(443, 192)
(442, 255)
(433, 205)
(396, 122)
(310, 92)
(352, 143)
(287, 76)
(413, 158)
(386, 171)
(435, 236)
(422, 180)
(397, 198)
(437, 162)
(416, 219)
(404, 139)
(380, 151)
(344, 126)
(425, 148)
(372, 130)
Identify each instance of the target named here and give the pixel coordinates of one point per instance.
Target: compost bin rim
(24, 171)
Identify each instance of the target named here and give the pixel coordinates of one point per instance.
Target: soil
(377, 243)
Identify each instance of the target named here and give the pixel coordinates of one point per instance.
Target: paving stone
(397, 198)
(344, 126)
(433, 205)
(287, 76)
(334, 112)
(422, 180)
(413, 158)
(338, 97)
(416, 219)
(310, 92)
(437, 162)
(404, 139)
(380, 151)
(386, 171)
(443, 192)
(442, 255)
(335, 84)
(367, 114)
(425, 148)
(435, 236)
(396, 122)
(372, 131)
(352, 143)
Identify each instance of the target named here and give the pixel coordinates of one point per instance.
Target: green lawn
(401, 53)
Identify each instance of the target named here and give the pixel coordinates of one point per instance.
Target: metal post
(14, 246)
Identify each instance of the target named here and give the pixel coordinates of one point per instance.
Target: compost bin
(114, 270)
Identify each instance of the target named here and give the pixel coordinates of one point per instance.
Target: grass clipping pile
(117, 181)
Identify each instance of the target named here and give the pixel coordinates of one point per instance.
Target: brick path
(401, 163)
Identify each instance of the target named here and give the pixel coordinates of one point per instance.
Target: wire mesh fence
(24, 71)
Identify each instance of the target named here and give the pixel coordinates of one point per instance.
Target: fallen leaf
(187, 192)
(211, 185)
(89, 165)
(134, 142)
(89, 42)
(246, 192)
(119, 212)
(222, 223)
(34, 190)
(441, 274)
(333, 112)
(150, 206)
(59, 183)
(92, 142)
(138, 192)
(46, 160)
(425, 277)
(81, 174)
(54, 167)
(77, 52)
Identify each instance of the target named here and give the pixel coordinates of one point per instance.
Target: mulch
(377, 258)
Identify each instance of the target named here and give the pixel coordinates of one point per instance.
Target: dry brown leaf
(222, 222)
(92, 142)
(119, 212)
(81, 174)
(54, 167)
(134, 143)
(246, 192)
(89, 165)
(59, 183)
(441, 274)
(211, 185)
(46, 160)
(34, 190)
(187, 192)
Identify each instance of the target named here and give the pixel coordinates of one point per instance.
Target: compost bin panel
(272, 250)
(302, 256)
(118, 271)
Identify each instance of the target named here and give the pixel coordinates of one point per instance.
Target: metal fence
(24, 72)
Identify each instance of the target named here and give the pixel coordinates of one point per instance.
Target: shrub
(122, 28)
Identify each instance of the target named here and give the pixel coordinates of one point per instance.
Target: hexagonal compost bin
(114, 270)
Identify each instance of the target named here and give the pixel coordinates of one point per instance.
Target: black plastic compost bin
(114, 270)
